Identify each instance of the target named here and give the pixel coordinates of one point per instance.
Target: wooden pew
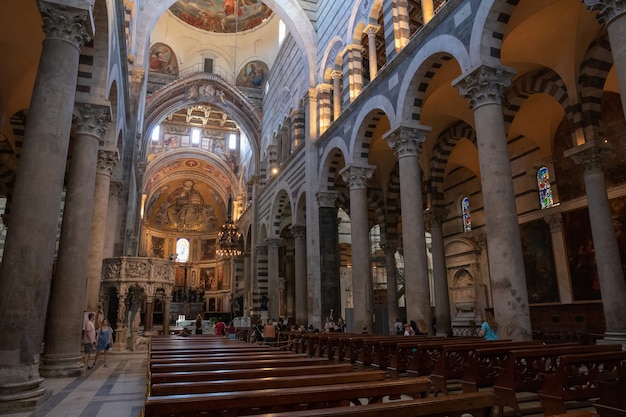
(283, 399)
(612, 401)
(455, 359)
(477, 404)
(578, 378)
(247, 384)
(240, 364)
(486, 363)
(405, 357)
(223, 357)
(524, 370)
(183, 376)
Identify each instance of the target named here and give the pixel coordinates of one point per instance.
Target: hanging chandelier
(229, 235)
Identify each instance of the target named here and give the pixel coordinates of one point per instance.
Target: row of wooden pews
(211, 376)
(558, 374)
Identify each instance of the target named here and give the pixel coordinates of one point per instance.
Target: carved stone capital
(90, 120)
(68, 25)
(591, 155)
(107, 159)
(115, 189)
(336, 75)
(371, 30)
(298, 231)
(273, 242)
(356, 176)
(608, 10)
(406, 141)
(484, 85)
(555, 221)
(326, 198)
(436, 216)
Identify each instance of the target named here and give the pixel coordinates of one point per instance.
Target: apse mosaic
(222, 16)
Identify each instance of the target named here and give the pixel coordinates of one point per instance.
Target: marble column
(559, 251)
(299, 235)
(148, 316)
(63, 335)
(406, 143)
(484, 87)
(356, 178)
(107, 159)
(610, 273)
(329, 255)
(371, 30)
(428, 11)
(246, 289)
(440, 272)
(290, 281)
(390, 248)
(26, 268)
(111, 238)
(336, 76)
(166, 314)
(273, 245)
(612, 13)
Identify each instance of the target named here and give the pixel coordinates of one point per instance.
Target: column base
(61, 365)
(613, 337)
(22, 396)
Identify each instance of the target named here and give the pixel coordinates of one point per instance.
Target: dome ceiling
(221, 16)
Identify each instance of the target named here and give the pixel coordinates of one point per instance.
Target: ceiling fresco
(222, 16)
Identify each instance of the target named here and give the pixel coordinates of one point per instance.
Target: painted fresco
(163, 60)
(253, 75)
(222, 16)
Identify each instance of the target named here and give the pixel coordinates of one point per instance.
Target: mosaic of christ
(221, 16)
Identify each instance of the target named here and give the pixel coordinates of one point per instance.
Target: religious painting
(222, 16)
(207, 279)
(253, 75)
(581, 251)
(541, 280)
(186, 210)
(158, 247)
(208, 249)
(163, 60)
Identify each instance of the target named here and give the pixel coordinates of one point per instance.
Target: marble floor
(116, 391)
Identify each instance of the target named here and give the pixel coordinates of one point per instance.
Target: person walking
(90, 338)
(220, 328)
(104, 343)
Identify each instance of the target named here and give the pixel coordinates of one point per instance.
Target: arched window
(545, 191)
(467, 219)
(182, 249)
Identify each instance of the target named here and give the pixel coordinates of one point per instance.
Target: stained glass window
(545, 191)
(467, 220)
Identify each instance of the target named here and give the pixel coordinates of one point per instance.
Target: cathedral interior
(305, 160)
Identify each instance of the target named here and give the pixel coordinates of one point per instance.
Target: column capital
(608, 10)
(115, 189)
(273, 242)
(591, 155)
(390, 245)
(436, 215)
(356, 176)
(371, 29)
(107, 159)
(406, 140)
(90, 119)
(555, 221)
(298, 231)
(326, 198)
(484, 85)
(336, 75)
(69, 25)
